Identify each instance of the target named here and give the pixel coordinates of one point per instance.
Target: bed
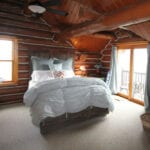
(57, 97)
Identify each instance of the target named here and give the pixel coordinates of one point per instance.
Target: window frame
(14, 60)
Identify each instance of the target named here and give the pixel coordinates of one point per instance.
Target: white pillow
(41, 63)
(42, 75)
(57, 67)
(68, 73)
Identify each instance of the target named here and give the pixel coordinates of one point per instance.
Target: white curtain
(147, 85)
(112, 82)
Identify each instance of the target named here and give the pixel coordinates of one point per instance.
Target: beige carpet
(120, 130)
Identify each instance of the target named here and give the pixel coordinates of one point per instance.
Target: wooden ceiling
(88, 20)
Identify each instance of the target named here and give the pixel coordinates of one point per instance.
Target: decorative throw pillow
(58, 74)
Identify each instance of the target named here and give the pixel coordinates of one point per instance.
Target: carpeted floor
(120, 130)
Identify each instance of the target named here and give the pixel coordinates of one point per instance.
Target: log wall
(34, 35)
(88, 60)
(105, 58)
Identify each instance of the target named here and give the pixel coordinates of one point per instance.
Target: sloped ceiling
(87, 18)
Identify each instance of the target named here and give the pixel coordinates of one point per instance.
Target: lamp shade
(82, 68)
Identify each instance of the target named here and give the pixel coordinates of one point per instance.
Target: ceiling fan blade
(58, 12)
(51, 3)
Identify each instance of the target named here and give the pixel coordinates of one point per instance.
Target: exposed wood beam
(103, 36)
(86, 6)
(134, 14)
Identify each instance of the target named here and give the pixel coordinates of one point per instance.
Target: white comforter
(58, 96)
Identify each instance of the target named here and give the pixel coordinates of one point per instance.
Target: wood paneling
(89, 60)
(137, 13)
(78, 13)
(89, 42)
(105, 6)
(141, 29)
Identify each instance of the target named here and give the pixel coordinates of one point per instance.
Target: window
(8, 60)
(132, 62)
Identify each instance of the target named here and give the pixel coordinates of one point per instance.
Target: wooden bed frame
(50, 124)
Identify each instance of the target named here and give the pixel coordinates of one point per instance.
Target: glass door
(131, 72)
(139, 73)
(123, 71)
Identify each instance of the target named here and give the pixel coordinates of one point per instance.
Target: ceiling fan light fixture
(36, 8)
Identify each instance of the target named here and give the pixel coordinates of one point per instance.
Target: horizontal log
(23, 32)
(23, 59)
(85, 62)
(23, 82)
(19, 17)
(40, 41)
(24, 75)
(23, 24)
(23, 63)
(77, 52)
(23, 52)
(88, 61)
(105, 69)
(106, 58)
(87, 66)
(11, 97)
(13, 9)
(14, 2)
(36, 47)
(106, 64)
(4, 92)
(13, 101)
(86, 57)
(54, 49)
(106, 52)
(24, 67)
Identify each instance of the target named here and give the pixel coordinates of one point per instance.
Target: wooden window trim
(131, 45)
(14, 61)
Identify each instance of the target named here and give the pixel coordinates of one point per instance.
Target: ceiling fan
(38, 7)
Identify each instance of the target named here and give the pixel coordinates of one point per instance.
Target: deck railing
(138, 85)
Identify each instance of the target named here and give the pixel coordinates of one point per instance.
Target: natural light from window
(6, 58)
(132, 72)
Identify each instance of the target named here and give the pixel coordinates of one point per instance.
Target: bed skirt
(50, 124)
